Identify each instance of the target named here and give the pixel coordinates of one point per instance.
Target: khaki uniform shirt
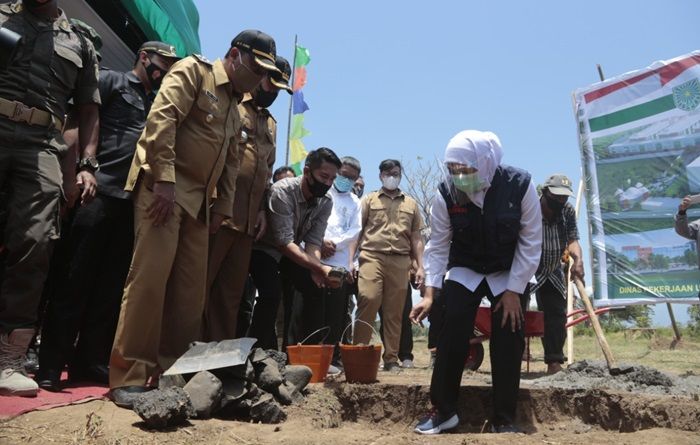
(191, 136)
(52, 63)
(256, 148)
(388, 223)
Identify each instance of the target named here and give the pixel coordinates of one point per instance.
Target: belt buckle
(22, 113)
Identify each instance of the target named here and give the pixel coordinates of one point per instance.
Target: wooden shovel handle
(612, 366)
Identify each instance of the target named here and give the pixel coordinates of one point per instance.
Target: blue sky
(394, 79)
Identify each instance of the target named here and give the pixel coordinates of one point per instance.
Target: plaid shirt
(556, 236)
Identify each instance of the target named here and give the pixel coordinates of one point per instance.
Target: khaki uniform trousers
(383, 281)
(163, 302)
(229, 261)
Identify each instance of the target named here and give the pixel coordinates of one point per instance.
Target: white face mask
(391, 182)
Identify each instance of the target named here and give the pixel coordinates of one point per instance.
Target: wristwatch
(89, 163)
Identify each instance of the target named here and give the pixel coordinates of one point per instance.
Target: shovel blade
(206, 356)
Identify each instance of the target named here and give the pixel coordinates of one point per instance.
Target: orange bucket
(316, 357)
(361, 362)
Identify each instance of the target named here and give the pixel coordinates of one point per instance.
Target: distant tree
(694, 321)
(421, 178)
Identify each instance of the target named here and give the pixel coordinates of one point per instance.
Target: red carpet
(72, 394)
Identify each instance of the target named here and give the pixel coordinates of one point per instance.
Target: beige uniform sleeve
(171, 106)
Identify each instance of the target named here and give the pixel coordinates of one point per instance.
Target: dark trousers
(506, 348)
(265, 273)
(31, 176)
(553, 304)
(436, 318)
(245, 310)
(86, 304)
(318, 308)
(406, 339)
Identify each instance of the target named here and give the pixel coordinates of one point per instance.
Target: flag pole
(291, 101)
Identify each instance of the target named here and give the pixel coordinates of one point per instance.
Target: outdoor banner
(640, 143)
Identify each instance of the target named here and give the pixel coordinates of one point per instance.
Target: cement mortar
(644, 380)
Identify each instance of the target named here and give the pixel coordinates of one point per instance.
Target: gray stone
(205, 391)
(267, 410)
(234, 389)
(166, 381)
(254, 392)
(298, 375)
(287, 394)
(162, 408)
(258, 355)
(268, 375)
(279, 357)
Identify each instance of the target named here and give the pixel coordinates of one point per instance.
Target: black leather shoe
(93, 373)
(124, 396)
(506, 428)
(49, 379)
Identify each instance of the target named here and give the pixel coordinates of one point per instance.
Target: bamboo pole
(291, 102)
(570, 288)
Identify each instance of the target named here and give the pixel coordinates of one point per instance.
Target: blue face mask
(343, 184)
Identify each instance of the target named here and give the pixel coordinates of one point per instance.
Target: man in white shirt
(486, 236)
(343, 229)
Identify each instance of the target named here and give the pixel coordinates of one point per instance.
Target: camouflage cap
(89, 33)
(161, 48)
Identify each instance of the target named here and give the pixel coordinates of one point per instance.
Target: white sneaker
(407, 364)
(13, 378)
(333, 370)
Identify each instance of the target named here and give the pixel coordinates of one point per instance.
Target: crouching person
(485, 242)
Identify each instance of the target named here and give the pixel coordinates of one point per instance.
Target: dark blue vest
(484, 240)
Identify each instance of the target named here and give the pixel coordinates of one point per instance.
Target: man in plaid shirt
(559, 234)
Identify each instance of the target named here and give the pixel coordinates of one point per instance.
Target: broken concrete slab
(162, 408)
(205, 391)
(267, 410)
(298, 375)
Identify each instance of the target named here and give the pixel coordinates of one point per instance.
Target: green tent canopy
(173, 21)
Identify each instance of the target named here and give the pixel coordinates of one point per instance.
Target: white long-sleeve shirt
(344, 226)
(525, 261)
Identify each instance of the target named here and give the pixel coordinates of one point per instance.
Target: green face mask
(467, 182)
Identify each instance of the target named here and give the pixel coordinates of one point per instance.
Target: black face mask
(553, 204)
(264, 99)
(150, 71)
(317, 189)
(358, 191)
(33, 4)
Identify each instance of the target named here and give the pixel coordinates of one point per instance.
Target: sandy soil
(583, 405)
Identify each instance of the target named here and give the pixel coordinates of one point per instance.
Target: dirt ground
(582, 405)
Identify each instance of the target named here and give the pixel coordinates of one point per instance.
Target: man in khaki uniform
(231, 246)
(390, 239)
(52, 64)
(187, 152)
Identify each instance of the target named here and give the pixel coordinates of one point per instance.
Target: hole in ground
(537, 408)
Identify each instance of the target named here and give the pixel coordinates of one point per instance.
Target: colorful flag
(297, 152)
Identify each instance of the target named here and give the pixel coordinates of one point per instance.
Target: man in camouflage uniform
(187, 155)
(52, 64)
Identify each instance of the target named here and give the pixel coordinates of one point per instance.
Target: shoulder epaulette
(202, 59)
